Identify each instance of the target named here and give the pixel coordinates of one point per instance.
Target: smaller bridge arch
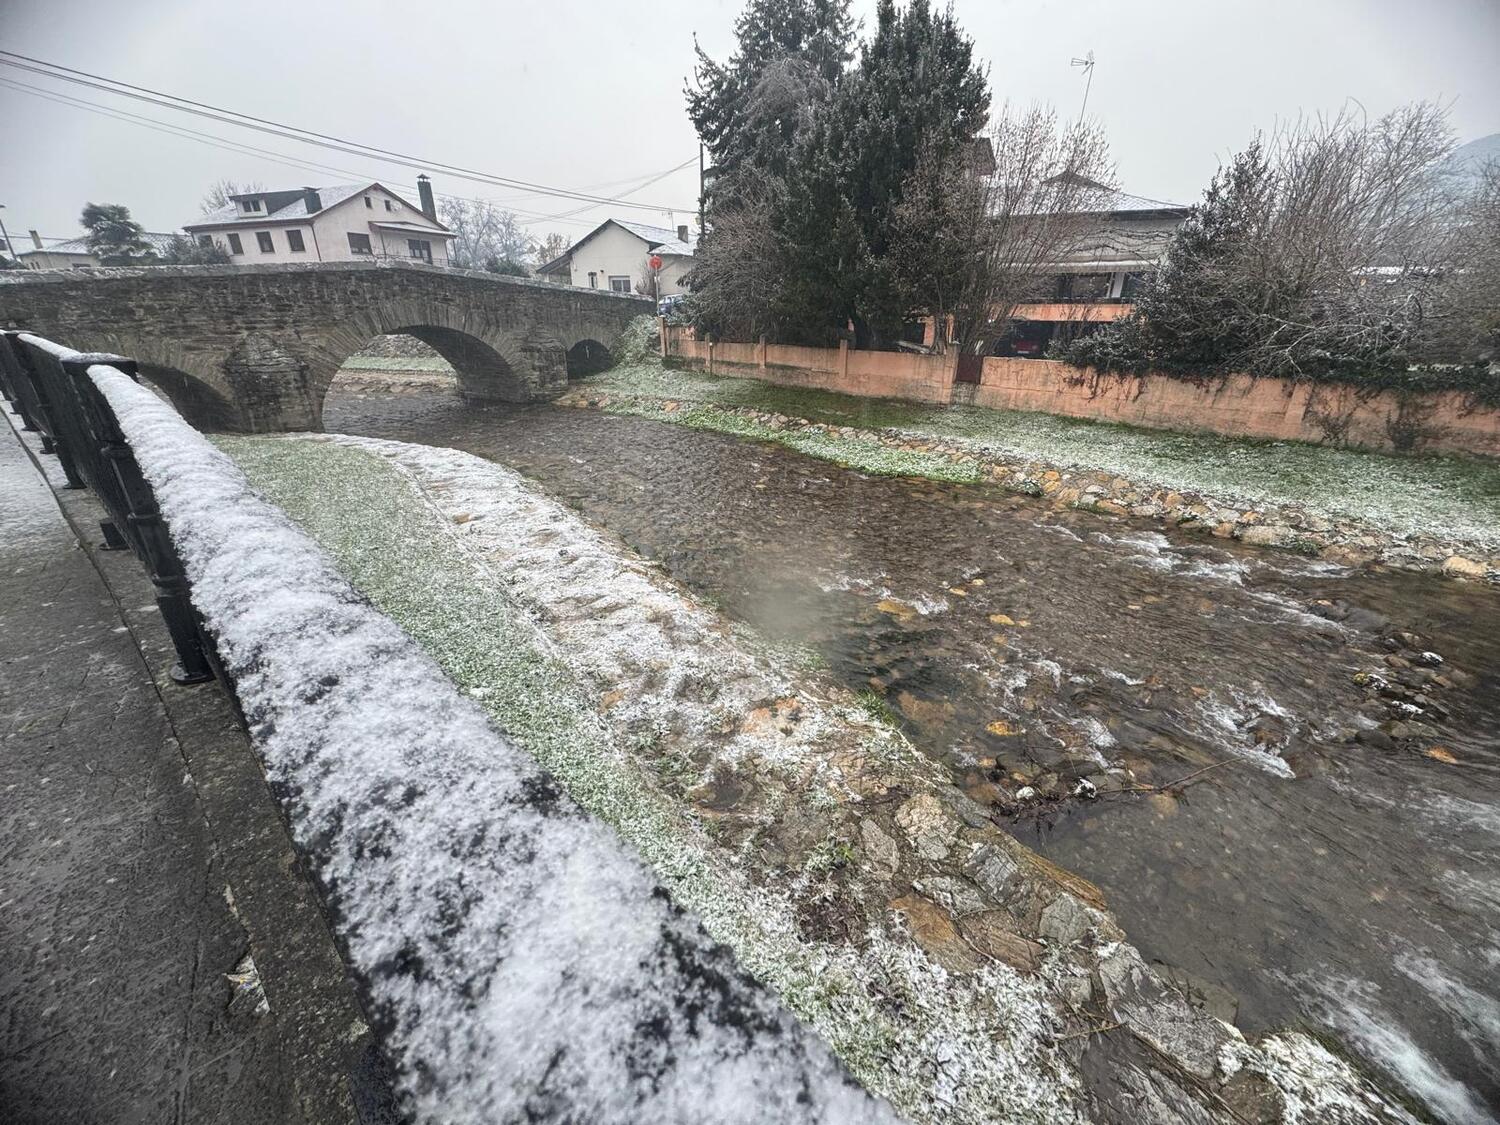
(255, 348)
(588, 357)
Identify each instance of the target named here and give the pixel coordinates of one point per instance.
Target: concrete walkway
(117, 921)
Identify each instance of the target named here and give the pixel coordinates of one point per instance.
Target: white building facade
(617, 255)
(346, 223)
(74, 253)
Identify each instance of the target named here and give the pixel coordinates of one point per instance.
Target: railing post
(147, 531)
(31, 378)
(7, 380)
(18, 387)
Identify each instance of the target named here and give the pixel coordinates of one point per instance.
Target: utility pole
(9, 249)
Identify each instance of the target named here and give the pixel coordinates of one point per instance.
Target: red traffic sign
(656, 261)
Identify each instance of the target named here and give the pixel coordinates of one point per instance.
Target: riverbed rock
(927, 824)
(1456, 566)
(1065, 920)
(935, 932)
(1266, 535)
(1160, 1015)
(883, 852)
(992, 933)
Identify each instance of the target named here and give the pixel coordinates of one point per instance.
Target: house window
(266, 245)
(359, 243)
(420, 248)
(368, 203)
(389, 206)
(593, 280)
(620, 284)
(234, 244)
(249, 206)
(205, 240)
(294, 241)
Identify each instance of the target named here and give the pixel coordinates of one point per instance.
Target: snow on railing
(521, 961)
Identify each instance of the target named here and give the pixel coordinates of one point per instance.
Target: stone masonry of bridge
(255, 348)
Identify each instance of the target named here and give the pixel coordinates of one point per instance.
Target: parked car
(670, 307)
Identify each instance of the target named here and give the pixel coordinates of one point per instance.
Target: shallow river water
(1072, 669)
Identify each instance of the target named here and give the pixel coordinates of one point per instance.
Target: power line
(295, 133)
(289, 132)
(239, 147)
(174, 130)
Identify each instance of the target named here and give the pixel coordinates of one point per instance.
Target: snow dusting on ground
(1451, 498)
(522, 961)
(657, 672)
(942, 1046)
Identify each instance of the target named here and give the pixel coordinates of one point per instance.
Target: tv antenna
(1087, 62)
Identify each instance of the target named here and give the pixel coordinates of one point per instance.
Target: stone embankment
(1343, 541)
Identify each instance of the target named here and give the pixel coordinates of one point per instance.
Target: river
(1193, 725)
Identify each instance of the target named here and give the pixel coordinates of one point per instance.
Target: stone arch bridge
(254, 348)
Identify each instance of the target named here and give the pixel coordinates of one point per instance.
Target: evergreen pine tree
(790, 55)
(916, 91)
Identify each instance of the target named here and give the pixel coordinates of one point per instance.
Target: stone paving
(117, 923)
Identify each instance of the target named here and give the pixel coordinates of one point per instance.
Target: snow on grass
(524, 962)
(515, 600)
(532, 612)
(1448, 497)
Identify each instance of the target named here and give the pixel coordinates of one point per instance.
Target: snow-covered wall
(521, 961)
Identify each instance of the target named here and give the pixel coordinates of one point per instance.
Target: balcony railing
(392, 254)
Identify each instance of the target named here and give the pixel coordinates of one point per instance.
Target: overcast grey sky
(586, 94)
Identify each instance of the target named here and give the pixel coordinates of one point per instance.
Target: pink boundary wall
(1232, 405)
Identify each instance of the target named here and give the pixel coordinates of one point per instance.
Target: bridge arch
(203, 405)
(588, 357)
(490, 361)
(191, 380)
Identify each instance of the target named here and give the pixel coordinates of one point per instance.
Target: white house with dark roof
(345, 223)
(617, 255)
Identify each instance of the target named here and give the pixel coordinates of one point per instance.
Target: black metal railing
(50, 389)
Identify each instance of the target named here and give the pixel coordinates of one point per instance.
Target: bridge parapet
(254, 348)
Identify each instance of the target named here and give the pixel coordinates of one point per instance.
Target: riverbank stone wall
(1238, 406)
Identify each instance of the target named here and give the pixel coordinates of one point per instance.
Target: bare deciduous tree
(549, 249)
(738, 280)
(1472, 307)
(976, 245)
(1351, 238)
(650, 283)
(1326, 249)
(220, 191)
(485, 236)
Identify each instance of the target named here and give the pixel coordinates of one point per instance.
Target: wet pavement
(1284, 775)
(142, 859)
(115, 933)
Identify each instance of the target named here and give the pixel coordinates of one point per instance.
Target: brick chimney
(682, 233)
(424, 193)
(310, 198)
